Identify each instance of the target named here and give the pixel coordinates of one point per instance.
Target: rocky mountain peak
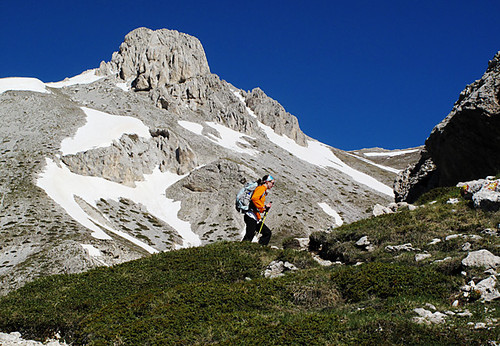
(156, 58)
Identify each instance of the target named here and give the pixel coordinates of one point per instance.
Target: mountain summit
(146, 154)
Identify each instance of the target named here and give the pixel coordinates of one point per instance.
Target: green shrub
(439, 194)
(383, 280)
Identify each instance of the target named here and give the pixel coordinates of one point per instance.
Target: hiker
(253, 217)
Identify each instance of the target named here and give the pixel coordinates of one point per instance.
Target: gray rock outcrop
(128, 159)
(464, 146)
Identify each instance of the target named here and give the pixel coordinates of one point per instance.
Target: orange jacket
(259, 200)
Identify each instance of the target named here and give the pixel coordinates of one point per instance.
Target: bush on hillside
(384, 280)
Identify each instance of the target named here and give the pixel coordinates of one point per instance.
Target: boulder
(488, 289)
(481, 258)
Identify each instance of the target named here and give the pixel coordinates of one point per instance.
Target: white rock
(480, 325)
(434, 241)
(466, 247)
(425, 316)
(442, 260)
(491, 272)
(453, 236)
(486, 199)
(421, 256)
(487, 289)
(363, 241)
(430, 306)
(481, 258)
(466, 313)
(403, 247)
(381, 210)
(15, 339)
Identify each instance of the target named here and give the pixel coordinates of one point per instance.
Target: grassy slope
(216, 294)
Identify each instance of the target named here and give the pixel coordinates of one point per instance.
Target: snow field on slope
(22, 84)
(392, 153)
(36, 85)
(62, 185)
(86, 77)
(319, 154)
(228, 138)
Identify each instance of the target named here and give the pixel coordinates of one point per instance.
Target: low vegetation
(217, 294)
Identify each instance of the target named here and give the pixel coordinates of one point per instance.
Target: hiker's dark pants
(252, 227)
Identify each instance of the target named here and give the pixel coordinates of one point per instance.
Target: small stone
(466, 313)
(480, 325)
(403, 247)
(363, 241)
(421, 256)
(430, 306)
(466, 247)
(434, 241)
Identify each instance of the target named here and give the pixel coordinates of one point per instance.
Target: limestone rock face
(127, 160)
(173, 69)
(465, 145)
(274, 115)
(157, 58)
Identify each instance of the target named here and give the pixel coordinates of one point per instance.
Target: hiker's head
(268, 180)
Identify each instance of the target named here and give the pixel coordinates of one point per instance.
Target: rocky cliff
(146, 154)
(464, 146)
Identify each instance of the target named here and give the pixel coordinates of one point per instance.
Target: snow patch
(327, 209)
(392, 153)
(242, 99)
(230, 139)
(63, 186)
(86, 77)
(101, 130)
(93, 251)
(22, 83)
(321, 155)
(190, 126)
(124, 86)
(386, 168)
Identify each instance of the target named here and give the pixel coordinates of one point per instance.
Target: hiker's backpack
(244, 196)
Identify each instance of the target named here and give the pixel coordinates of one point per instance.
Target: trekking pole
(262, 223)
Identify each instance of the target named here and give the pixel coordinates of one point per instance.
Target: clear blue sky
(355, 73)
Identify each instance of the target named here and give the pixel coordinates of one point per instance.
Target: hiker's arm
(258, 198)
